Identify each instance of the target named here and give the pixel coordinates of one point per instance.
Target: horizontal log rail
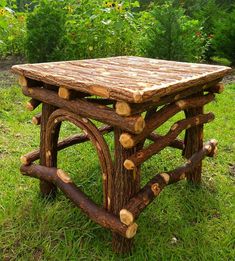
(94, 212)
(72, 140)
(144, 154)
(134, 124)
(152, 189)
(127, 109)
(161, 116)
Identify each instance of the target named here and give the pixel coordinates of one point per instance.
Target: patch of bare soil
(230, 78)
(7, 78)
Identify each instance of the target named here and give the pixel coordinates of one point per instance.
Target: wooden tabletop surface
(126, 78)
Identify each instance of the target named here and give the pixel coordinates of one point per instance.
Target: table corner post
(47, 189)
(193, 141)
(125, 184)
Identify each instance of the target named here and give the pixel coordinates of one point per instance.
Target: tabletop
(124, 78)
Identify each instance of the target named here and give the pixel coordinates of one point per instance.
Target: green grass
(201, 219)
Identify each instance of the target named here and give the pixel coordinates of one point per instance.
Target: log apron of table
(132, 97)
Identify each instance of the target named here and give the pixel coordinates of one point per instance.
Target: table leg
(193, 143)
(125, 183)
(46, 188)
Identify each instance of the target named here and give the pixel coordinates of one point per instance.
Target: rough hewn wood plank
(131, 79)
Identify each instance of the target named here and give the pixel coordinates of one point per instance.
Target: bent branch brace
(64, 182)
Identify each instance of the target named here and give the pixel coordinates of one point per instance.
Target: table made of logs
(133, 97)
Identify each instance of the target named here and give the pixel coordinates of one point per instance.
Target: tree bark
(142, 155)
(47, 188)
(125, 183)
(152, 189)
(193, 142)
(161, 116)
(133, 124)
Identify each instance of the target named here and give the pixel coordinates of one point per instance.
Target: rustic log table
(143, 94)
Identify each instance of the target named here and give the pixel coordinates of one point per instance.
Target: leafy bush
(224, 37)
(12, 31)
(174, 36)
(45, 29)
(99, 29)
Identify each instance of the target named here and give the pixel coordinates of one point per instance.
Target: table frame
(123, 199)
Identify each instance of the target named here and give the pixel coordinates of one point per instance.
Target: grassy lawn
(184, 223)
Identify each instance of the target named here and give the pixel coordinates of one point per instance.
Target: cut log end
(128, 164)
(64, 93)
(214, 149)
(32, 104)
(138, 97)
(181, 104)
(166, 177)
(63, 176)
(22, 81)
(100, 91)
(126, 217)
(214, 142)
(123, 108)
(29, 106)
(174, 126)
(131, 230)
(24, 160)
(36, 120)
(126, 140)
(155, 189)
(139, 125)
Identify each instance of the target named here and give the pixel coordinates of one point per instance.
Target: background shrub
(72, 29)
(12, 32)
(224, 37)
(99, 29)
(174, 36)
(45, 29)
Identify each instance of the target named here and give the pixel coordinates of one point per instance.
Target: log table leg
(125, 184)
(193, 143)
(46, 188)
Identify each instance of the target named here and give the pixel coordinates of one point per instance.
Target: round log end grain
(126, 217)
(22, 81)
(126, 140)
(24, 160)
(131, 231)
(128, 164)
(63, 176)
(139, 124)
(64, 93)
(138, 97)
(123, 108)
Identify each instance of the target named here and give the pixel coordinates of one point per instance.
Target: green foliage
(12, 31)
(45, 29)
(63, 30)
(221, 61)
(99, 29)
(173, 35)
(208, 13)
(224, 37)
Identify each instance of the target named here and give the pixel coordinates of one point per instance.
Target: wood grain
(131, 79)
